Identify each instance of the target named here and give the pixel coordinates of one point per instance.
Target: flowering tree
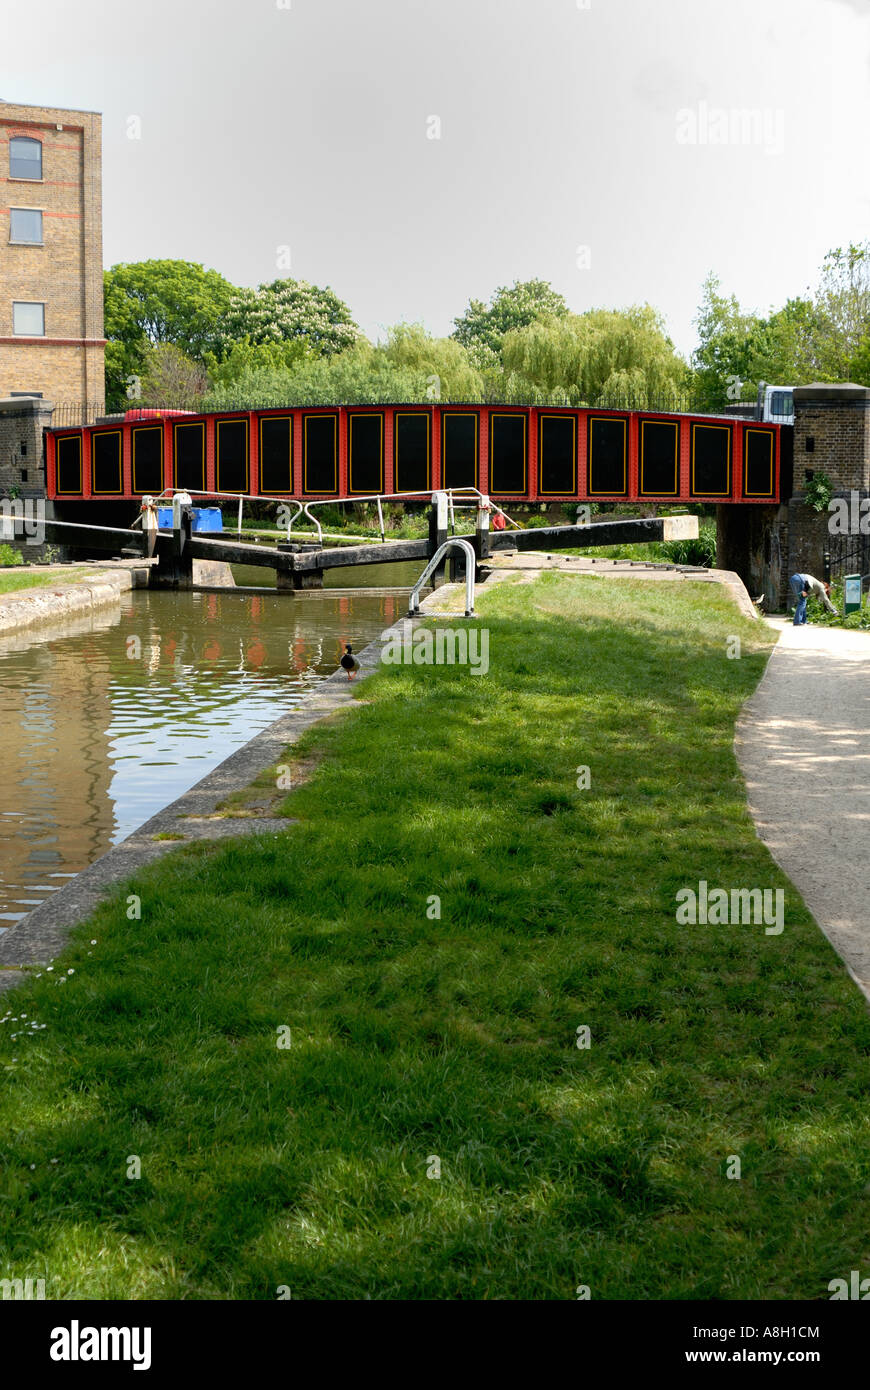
(289, 309)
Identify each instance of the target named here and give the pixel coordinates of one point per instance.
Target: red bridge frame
(735, 460)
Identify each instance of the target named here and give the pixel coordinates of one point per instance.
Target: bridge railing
(77, 414)
(454, 505)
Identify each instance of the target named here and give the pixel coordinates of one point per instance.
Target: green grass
(33, 579)
(412, 1038)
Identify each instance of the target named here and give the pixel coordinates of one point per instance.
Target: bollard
(438, 533)
(481, 534)
(175, 565)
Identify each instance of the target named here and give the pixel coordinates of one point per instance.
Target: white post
(439, 500)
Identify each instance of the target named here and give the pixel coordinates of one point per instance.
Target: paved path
(803, 743)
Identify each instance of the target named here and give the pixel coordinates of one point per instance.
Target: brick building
(51, 254)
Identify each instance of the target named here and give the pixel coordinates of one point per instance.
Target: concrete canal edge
(51, 604)
(43, 933)
(100, 586)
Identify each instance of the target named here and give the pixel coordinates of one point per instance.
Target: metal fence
(848, 555)
(75, 415)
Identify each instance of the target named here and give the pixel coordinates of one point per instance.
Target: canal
(112, 718)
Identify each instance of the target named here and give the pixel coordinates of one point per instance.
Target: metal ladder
(470, 561)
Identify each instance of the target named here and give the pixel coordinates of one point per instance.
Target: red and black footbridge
(510, 453)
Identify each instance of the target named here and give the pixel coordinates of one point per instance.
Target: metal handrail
(470, 562)
(303, 507)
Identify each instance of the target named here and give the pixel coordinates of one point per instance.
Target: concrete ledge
(52, 603)
(832, 393)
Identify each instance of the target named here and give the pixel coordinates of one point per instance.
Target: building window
(25, 158)
(25, 226)
(28, 320)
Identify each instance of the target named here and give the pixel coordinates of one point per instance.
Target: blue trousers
(800, 613)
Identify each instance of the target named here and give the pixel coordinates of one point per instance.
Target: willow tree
(443, 362)
(605, 356)
(481, 328)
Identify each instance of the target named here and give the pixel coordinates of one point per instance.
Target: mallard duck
(349, 663)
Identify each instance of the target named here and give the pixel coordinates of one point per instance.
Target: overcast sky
(581, 141)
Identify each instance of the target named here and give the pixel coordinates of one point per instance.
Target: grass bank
(13, 580)
(419, 1041)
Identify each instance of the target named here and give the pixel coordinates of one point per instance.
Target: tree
(787, 353)
(360, 375)
(152, 302)
(731, 339)
(243, 358)
(171, 379)
(443, 362)
(843, 309)
(603, 356)
(409, 366)
(482, 328)
(287, 310)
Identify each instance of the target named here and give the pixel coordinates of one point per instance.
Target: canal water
(113, 718)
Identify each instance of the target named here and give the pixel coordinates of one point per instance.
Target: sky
(414, 154)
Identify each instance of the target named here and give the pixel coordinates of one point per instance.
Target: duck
(349, 663)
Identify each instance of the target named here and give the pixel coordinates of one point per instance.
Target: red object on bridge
(511, 453)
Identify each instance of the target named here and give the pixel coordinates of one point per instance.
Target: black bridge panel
(276, 453)
(412, 445)
(557, 455)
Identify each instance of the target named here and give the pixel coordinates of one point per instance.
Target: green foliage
(288, 310)
(603, 356)
(729, 342)
(843, 305)
(818, 613)
(150, 302)
(701, 551)
(444, 363)
(243, 358)
(825, 337)
(9, 556)
(409, 366)
(482, 327)
(818, 492)
(171, 379)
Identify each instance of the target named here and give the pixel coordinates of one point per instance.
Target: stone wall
(766, 545)
(832, 436)
(22, 472)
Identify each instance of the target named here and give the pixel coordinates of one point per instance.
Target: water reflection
(101, 727)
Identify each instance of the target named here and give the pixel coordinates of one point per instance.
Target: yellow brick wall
(66, 273)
